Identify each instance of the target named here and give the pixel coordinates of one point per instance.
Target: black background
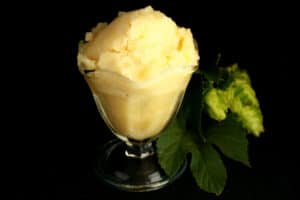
(57, 128)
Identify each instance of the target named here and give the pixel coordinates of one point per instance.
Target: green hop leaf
(231, 139)
(208, 168)
(227, 96)
(206, 165)
(170, 145)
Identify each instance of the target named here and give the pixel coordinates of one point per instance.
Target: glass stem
(140, 150)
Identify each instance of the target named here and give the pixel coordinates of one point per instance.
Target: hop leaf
(228, 98)
(230, 138)
(206, 165)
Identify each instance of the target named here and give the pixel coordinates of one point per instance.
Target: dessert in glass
(137, 68)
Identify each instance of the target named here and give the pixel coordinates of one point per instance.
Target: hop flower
(239, 97)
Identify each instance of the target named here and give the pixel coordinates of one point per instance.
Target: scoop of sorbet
(138, 45)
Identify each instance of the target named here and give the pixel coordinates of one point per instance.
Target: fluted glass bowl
(136, 112)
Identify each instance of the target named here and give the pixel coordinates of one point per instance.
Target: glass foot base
(132, 174)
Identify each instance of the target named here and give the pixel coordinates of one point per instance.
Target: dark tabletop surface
(52, 157)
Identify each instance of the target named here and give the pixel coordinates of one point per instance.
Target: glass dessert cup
(136, 113)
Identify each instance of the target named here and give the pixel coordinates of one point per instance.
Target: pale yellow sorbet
(138, 45)
(140, 65)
